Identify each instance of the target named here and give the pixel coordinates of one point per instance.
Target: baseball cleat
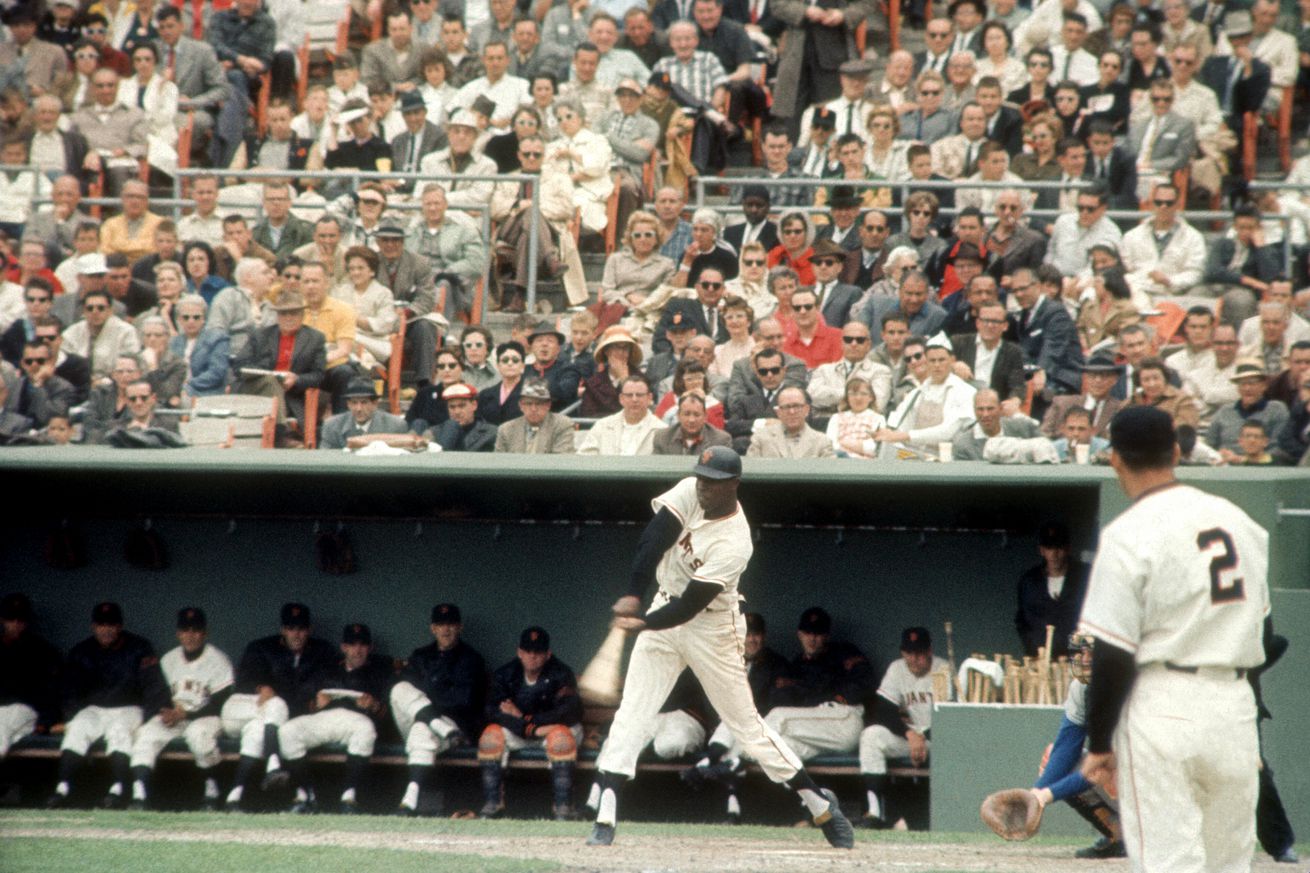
(693, 777)
(873, 822)
(1103, 848)
(349, 807)
(210, 804)
(564, 812)
(601, 835)
(406, 812)
(1288, 857)
(491, 810)
(834, 824)
(113, 801)
(278, 778)
(56, 801)
(304, 807)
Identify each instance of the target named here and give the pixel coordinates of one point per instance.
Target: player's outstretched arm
(659, 536)
(678, 610)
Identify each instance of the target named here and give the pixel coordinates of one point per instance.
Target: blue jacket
(209, 361)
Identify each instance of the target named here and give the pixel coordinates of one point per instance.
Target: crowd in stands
(965, 286)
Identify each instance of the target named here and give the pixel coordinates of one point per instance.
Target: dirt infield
(637, 849)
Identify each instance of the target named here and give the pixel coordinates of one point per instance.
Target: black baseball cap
(1053, 535)
(107, 613)
(1142, 430)
(295, 615)
(357, 633)
(824, 119)
(755, 623)
(191, 618)
(916, 639)
(718, 462)
(815, 620)
(446, 613)
(16, 607)
(534, 639)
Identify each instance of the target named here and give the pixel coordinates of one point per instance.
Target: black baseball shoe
(304, 807)
(564, 812)
(211, 804)
(113, 801)
(1103, 848)
(56, 801)
(278, 778)
(136, 806)
(491, 810)
(601, 835)
(834, 823)
(349, 807)
(693, 777)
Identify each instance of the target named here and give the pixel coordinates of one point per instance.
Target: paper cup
(1081, 453)
(945, 452)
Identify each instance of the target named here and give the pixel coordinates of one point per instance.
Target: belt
(1239, 672)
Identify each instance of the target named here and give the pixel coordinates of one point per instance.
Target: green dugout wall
(547, 540)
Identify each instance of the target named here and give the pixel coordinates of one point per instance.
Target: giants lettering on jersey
(694, 563)
(918, 698)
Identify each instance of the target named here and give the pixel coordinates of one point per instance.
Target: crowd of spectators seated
(896, 312)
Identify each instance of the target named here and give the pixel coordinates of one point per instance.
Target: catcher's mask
(1080, 656)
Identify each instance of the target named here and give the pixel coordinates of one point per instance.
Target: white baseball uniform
(423, 742)
(116, 724)
(245, 717)
(1180, 582)
(17, 720)
(914, 696)
(192, 683)
(349, 727)
(712, 643)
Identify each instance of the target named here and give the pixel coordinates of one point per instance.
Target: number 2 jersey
(711, 550)
(1181, 578)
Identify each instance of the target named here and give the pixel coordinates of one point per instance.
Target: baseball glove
(1015, 814)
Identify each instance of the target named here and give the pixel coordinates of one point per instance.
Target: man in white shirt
(932, 413)
(204, 223)
(615, 64)
(828, 381)
(1276, 48)
(956, 157)
(1198, 352)
(1298, 329)
(1074, 235)
(1072, 61)
(506, 91)
(1164, 255)
(1211, 383)
(850, 110)
(631, 431)
(459, 158)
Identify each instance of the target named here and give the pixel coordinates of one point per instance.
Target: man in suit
(956, 156)
(363, 423)
(756, 395)
(938, 36)
(538, 431)
(703, 312)
(864, 266)
(194, 68)
(28, 63)
(394, 60)
(1241, 80)
(828, 381)
(967, 16)
(987, 359)
(1004, 124)
(755, 205)
(844, 205)
(1163, 142)
(924, 316)
(1046, 333)
(419, 139)
(692, 434)
(1112, 165)
(412, 283)
(790, 436)
(52, 149)
(1239, 268)
(835, 299)
(297, 353)
(990, 421)
(1099, 376)
(463, 431)
(281, 232)
(116, 134)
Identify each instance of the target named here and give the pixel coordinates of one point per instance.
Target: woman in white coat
(154, 95)
(374, 305)
(585, 158)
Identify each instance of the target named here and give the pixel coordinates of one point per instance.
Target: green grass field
(35, 841)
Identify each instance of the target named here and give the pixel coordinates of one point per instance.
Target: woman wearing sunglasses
(751, 284)
(637, 269)
(205, 349)
(1039, 93)
(794, 250)
(429, 406)
(500, 403)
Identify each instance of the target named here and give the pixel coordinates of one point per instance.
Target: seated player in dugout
(902, 720)
(533, 702)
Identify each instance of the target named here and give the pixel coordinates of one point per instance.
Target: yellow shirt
(115, 237)
(336, 320)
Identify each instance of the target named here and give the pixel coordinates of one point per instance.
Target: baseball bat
(601, 683)
(950, 659)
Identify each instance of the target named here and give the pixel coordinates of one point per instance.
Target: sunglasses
(137, 398)
(371, 201)
(95, 307)
(917, 356)
(35, 360)
(1163, 203)
(710, 286)
(450, 366)
(38, 299)
(87, 56)
(827, 262)
(531, 154)
(1161, 99)
(991, 321)
(927, 212)
(475, 345)
(1086, 210)
(1043, 64)
(510, 359)
(875, 228)
(47, 337)
(854, 340)
(803, 307)
(933, 92)
(643, 234)
(753, 262)
(190, 318)
(768, 371)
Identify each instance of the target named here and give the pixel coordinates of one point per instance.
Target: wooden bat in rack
(601, 683)
(950, 659)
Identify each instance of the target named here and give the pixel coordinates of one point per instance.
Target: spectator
(362, 423)
(828, 385)
(280, 232)
(692, 433)
(1294, 441)
(100, 336)
(297, 353)
(429, 408)
(920, 211)
(30, 64)
(738, 316)
(794, 250)
(476, 345)
(584, 87)
(458, 159)
(157, 97)
(911, 303)
(1074, 234)
(636, 270)
(1198, 350)
(1038, 93)
(988, 360)
(463, 431)
(630, 431)
(1225, 432)
(334, 319)
(1163, 139)
(38, 294)
(506, 91)
(374, 305)
(244, 38)
(932, 413)
(997, 61)
(669, 203)
(990, 421)
(1164, 256)
(131, 233)
(1280, 291)
(1100, 374)
(1275, 341)
(1241, 80)
(164, 370)
(528, 58)
(584, 158)
(107, 406)
(195, 70)
(538, 431)
(1106, 102)
(116, 134)
(813, 340)
(1011, 243)
(1046, 333)
(702, 312)
(1285, 386)
(1051, 593)
(465, 65)
(499, 403)
(395, 59)
(617, 357)
(1152, 388)
(1100, 319)
(1077, 431)
(204, 349)
(851, 429)
(958, 87)
(931, 121)
(201, 271)
(789, 435)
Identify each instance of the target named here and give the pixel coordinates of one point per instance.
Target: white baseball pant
(17, 720)
(422, 743)
(1188, 773)
(877, 744)
(354, 730)
(200, 734)
(677, 734)
(514, 742)
(713, 645)
(244, 716)
(813, 730)
(117, 724)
